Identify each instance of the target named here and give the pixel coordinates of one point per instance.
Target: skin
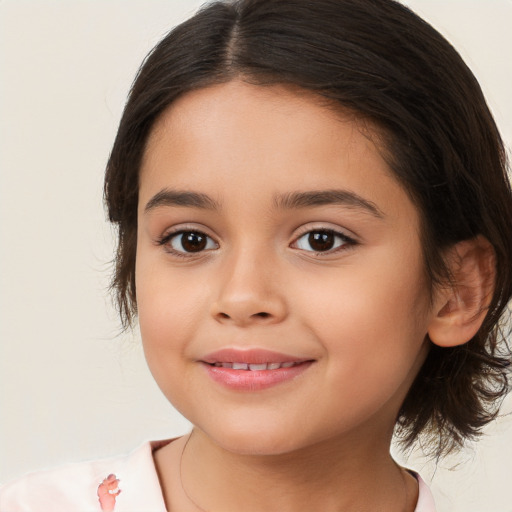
(360, 311)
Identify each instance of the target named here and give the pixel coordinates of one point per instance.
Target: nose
(249, 292)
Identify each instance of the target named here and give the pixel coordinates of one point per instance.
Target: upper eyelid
(184, 228)
(308, 228)
(347, 238)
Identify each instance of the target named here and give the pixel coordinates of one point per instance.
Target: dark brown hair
(381, 61)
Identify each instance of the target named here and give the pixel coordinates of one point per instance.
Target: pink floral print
(108, 491)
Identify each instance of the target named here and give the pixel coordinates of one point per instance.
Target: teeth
(255, 366)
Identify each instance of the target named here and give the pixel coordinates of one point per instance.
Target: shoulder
(75, 486)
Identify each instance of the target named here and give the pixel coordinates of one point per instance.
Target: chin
(259, 441)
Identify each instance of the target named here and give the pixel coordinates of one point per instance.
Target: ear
(461, 306)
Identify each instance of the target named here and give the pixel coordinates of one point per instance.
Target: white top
(74, 487)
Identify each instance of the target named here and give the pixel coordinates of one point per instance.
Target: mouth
(251, 359)
(253, 370)
(254, 367)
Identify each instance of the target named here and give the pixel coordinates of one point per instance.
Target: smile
(254, 376)
(255, 366)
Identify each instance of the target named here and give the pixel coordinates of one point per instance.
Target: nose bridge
(249, 289)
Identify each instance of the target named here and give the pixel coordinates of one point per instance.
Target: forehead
(200, 109)
(263, 139)
(250, 115)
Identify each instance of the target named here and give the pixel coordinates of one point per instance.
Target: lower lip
(248, 380)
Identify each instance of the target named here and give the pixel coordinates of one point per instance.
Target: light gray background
(70, 388)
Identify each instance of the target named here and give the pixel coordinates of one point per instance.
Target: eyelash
(166, 239)
(346, 241)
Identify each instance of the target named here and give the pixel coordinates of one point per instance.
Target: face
(281, 290)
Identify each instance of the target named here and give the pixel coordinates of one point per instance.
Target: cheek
(169, 311)
(372, 322)
(169, 307)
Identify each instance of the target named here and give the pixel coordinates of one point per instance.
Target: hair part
(379, 60)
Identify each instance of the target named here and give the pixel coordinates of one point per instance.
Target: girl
(314, 234)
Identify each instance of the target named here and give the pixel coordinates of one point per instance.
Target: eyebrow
(297, 200)
(167, 197)
(290, 201)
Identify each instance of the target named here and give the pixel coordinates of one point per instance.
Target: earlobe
(461, 306)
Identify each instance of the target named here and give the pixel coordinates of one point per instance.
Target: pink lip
(252, 380)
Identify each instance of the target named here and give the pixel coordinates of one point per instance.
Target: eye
(188, 242)
(322, 240)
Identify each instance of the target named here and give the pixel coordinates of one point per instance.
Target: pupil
(321, 240)
(193, 242)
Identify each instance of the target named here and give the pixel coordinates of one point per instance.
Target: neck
(331, 476)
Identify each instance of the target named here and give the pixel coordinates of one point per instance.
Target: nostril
(243, 316)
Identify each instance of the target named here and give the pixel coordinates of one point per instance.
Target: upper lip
(250, 356)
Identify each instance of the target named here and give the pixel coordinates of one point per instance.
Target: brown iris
(321, 240)
(193, 241)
